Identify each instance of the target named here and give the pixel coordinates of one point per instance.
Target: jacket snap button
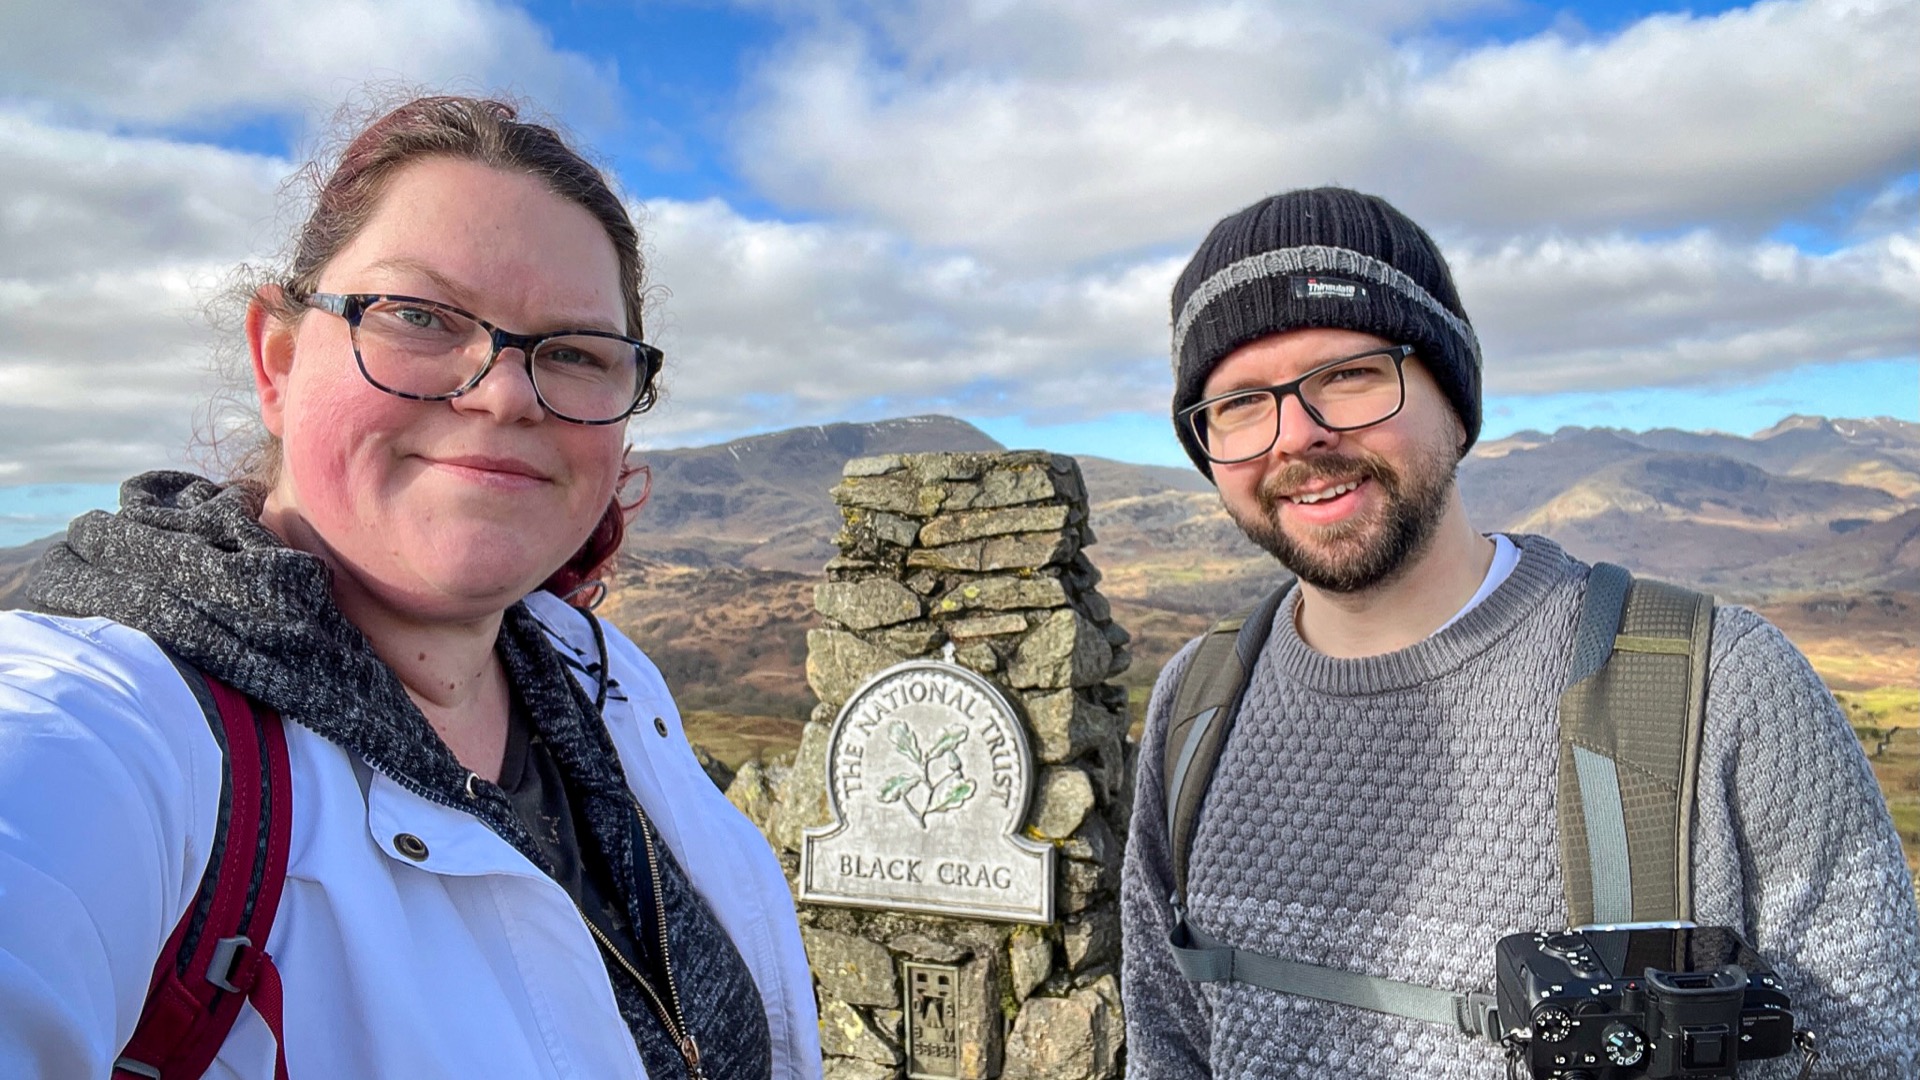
(660, 725)
(411, 846)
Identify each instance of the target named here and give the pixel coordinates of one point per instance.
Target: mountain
(1507, 479)
(1816, 519)
(1807, 512)
(1739, 516)
(1881, 452)
(1700, 518)
(1882, 556)
(15, 562)
(763, 502)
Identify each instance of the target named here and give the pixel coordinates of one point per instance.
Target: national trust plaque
(928, 777)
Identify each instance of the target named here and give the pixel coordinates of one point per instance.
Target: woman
(503, 858)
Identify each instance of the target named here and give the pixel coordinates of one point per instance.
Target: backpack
(216, 959)
(210, 964)
(1630, 724)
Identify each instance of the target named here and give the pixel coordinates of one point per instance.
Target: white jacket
(470, 963)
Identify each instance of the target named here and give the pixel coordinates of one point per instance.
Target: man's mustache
(1326, 467)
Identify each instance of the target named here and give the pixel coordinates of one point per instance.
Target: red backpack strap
(216, 958)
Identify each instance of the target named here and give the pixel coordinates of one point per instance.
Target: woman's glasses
(429, 351)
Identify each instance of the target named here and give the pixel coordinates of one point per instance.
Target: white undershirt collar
(1506, 556)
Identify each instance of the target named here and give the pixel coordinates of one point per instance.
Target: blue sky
(1693, 216)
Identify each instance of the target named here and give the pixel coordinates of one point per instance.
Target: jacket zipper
(674, 1020)
(676, 1027)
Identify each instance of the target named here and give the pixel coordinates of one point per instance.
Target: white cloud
(1006, 198)
(1074, 131)
(1741, 117)
(110, 246)
(111, 243)
(1559, 314)
(773, 323)
(210, 61)
(769, 324)
(79, 201)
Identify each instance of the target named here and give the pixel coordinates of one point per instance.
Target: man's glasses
(429, 351)
(1340, 395)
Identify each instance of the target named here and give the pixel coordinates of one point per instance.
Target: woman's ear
(270, 347)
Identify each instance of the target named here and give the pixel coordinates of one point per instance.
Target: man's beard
(1357, 553)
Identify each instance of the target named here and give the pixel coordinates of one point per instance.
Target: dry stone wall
(978, 558)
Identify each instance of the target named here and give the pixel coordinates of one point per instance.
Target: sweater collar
(1542, 566)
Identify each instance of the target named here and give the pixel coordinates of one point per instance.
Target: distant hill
(1808, 508)
(762, 502)
(1877, 453)
(14, 564)
(716, 576)
(1746, 518)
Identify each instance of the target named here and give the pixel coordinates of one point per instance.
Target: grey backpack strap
(1630, 723)
(1630, 726)
(1204, 959)
(1204, 708)
(1204, 705)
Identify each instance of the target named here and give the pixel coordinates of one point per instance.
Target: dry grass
(1866, 647)
(1887, 721)
(735, 740)
(732, 644)
(1856, 642)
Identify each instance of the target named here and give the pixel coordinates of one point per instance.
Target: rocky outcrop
(978, 558)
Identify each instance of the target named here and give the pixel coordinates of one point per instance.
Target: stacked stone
(979, 558)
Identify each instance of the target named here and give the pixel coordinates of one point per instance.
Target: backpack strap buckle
(202, 979)
(1478, 1014)
(233, 956)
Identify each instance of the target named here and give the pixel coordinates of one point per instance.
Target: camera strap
(1204, 959)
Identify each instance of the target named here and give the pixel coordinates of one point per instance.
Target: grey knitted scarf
(186, 562)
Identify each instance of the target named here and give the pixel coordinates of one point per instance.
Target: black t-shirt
(538, 791)
(721, 1004)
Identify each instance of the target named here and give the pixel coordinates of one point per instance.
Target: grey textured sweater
(1394, 815)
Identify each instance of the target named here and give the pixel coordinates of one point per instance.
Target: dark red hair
(479, 130)
(578, 580)
(348, 190)
(489, 133)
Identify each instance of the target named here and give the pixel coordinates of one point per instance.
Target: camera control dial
(1552, 1024)
(1566, 944)
(1573, 948)
(1625, 1046)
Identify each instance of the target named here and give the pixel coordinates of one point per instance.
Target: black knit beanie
(1325, 257)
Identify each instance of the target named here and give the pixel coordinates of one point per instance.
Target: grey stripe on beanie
(1269, 264)
(1326, 258)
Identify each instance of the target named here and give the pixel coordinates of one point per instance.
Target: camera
(1606, 1004)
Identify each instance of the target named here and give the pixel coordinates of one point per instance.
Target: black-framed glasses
(1346, 394)
(429, 351)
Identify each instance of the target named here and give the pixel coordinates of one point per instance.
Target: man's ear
(270, 348)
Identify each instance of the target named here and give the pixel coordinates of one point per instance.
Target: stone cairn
(981, 553)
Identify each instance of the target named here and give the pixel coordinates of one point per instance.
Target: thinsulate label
(1322, 287)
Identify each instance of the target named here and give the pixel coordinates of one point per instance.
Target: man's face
(1346, 511)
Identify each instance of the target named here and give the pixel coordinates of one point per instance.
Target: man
(1385, 803)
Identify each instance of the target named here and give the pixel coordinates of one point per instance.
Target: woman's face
(444, 509)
